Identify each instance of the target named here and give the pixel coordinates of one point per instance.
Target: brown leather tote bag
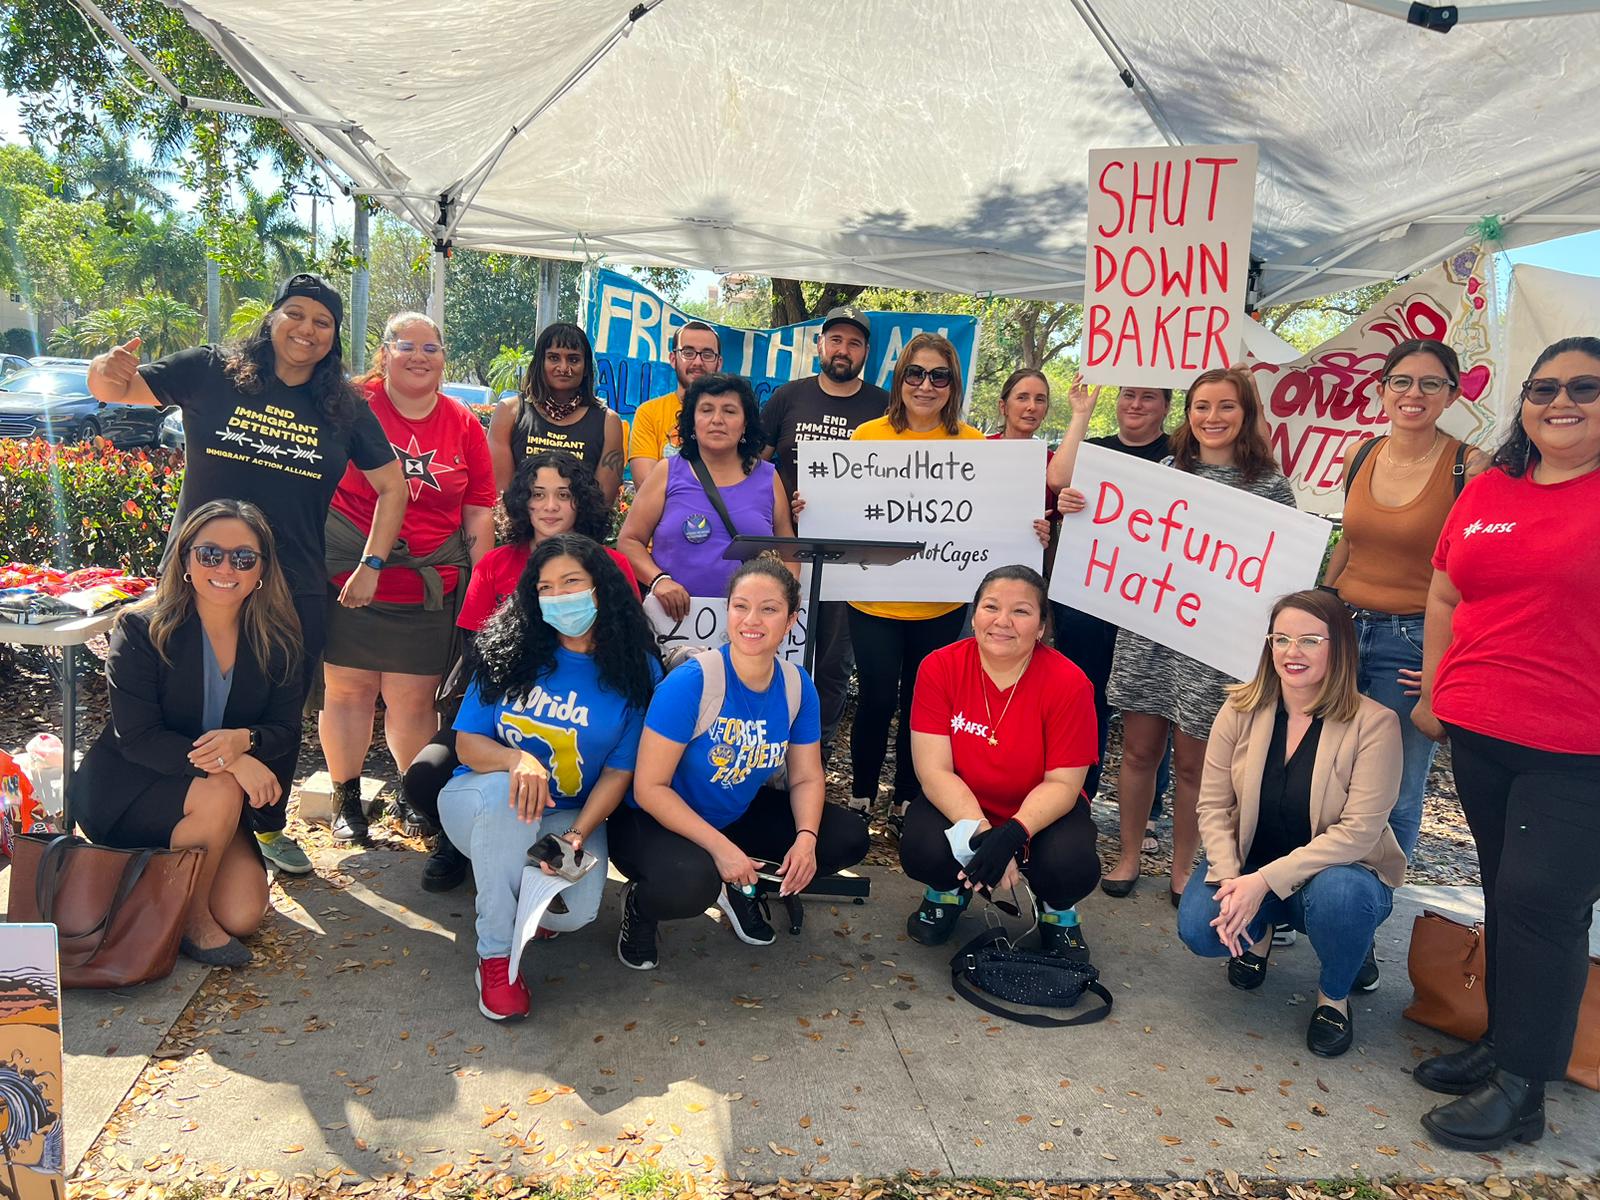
(119, 913)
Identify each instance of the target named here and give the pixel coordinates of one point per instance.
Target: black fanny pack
(989, 969)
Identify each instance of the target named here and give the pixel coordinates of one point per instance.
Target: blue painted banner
(631, 328)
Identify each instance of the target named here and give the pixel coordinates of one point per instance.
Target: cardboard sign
(707, 625)
(1168, 262)
(1184, 561)
(972, 502)
(631, 328)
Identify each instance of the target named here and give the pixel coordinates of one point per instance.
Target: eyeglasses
(689, 355)
(406, 347)
(1309, 641)
(940, 377)
(1581, 390)
(1428, 385)
(242, 557)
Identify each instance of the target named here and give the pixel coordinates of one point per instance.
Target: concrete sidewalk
(838, 1052)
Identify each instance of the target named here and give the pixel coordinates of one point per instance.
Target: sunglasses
(940, 377)
(242, 557)
(1581, 390)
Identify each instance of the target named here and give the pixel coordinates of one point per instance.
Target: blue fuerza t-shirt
(572, 723)
(722, 769)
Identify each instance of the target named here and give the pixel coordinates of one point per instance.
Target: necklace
(994, 726)
(1414, 463)
(558, 411)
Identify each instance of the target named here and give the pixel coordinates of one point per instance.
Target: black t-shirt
(272, 449)
(800, 411)
(584, 439)
(1151, 451)
(1283, 820)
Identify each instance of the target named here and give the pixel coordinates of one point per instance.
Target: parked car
(470, 394)
(171, 435)
(11, 363)
(53, 402)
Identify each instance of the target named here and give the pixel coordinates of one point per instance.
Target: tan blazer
(1354, 783)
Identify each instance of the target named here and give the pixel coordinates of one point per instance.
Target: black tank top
(585, 439)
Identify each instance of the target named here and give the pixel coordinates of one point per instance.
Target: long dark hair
(1251, 453)
(750, 441)
(593, 517)
(517, 648)
(1517, 454)
(559, 335)
(251, 362)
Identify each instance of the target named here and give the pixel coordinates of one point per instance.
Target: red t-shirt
(446, 463)
(495, 577)
(1050, 493)
(1050, 723)
(1521, 661)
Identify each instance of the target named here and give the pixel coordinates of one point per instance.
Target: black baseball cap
(850, 314)
(313, 287)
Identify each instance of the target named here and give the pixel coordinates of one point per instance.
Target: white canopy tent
(928, 143)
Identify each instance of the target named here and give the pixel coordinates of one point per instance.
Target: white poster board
(972, 502)
(1168, 262)
(707, 625)
(1184, 561)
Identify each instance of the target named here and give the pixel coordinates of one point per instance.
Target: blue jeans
(476, 813)
(1339, 909)
(1387, 644)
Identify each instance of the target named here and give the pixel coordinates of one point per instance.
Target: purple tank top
(690, 540)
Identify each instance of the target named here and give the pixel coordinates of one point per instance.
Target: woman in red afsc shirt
(1508, 674)
(1002, 733)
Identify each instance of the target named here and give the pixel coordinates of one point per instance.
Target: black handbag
(989, 969)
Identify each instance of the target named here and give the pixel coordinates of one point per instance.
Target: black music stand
(818, 551)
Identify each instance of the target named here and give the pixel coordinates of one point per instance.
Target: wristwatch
(373, 561)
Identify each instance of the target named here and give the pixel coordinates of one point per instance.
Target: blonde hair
(380, 357)
(1340, 698)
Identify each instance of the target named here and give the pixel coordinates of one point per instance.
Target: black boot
(1459, 1073)
(1506, 1108)
(350, 821)
(446, 867)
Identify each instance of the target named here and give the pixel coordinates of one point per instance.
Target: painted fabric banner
(631, 328)
(1319, 406)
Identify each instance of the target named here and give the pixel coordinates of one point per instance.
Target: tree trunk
(789, 305)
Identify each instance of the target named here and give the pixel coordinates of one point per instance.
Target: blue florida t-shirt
(571, 722)
(722, 769)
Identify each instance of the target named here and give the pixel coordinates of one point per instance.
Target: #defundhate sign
(1168, 262)
(1184, 561)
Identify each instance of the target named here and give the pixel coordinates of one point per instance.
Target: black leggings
(675, 879)
(888, 653)
(1062, 866)
(1535, 816)
(429, 771)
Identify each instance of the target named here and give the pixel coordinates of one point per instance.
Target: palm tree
(95, 331)
(106, 170)
(165, 324)
(283, 239)
(247, 317)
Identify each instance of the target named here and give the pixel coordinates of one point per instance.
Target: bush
(87, 505)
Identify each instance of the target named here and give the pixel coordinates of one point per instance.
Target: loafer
(1331, 1032)
(1367, 978)
(1505, 1108)
(1248, 971)
(232, 953)
(1459, 1073)
(445, 868)
(284, 853)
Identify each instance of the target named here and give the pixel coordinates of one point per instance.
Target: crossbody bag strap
(713, 494)
(972, 995)
(1353, 468)
(1458, 472)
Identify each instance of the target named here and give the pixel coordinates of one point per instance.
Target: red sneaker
(498, 998)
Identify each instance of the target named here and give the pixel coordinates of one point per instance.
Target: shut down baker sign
(1186, 562)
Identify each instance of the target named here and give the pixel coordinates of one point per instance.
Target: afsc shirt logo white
(1488, 527)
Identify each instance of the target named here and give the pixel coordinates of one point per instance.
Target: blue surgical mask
(573, 614)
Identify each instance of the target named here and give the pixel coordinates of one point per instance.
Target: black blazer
(157, 713)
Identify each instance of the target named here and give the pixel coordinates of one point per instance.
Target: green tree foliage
(59, 246)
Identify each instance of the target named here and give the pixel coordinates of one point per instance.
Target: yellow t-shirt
(655, 427)
(879, 430)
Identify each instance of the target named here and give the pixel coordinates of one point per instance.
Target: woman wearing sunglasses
(400, 645)
(1508, 675)
(204, 679)
(1301, 772)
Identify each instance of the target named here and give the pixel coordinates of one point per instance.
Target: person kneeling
(547, 734)
(1002, 733)
(704, 814)
(1301, 773)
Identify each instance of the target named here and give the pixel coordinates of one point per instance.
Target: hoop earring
(259, 582)
(188, 578)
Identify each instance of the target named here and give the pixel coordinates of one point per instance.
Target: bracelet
(812, 832)
(660, 575)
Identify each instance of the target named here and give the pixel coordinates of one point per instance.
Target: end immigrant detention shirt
(584, 439)
(1050, 723)
(495, 578)
(800, 411)
(571, 722)
(722, 770)
(273, 449)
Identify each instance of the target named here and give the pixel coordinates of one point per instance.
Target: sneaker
(747, 915)
(1063, 941)
(350, 822)
(499, 998)
(934, 922)
(1282, 935)
(445, 868)
(284, 853)
(636, 939)
(1368, 977)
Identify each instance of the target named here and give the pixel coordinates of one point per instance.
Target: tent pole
(360, 290)
(1126, 71)
(549, 292)
(436, 284)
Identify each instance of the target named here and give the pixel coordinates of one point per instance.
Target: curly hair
(593, 515)
(250, 362)
(559, 335)
(720, 383)
(517, 647)
(1252, 455)
(1518, 455)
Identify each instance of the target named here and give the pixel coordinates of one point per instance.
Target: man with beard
(826, 407)
(696, 351)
